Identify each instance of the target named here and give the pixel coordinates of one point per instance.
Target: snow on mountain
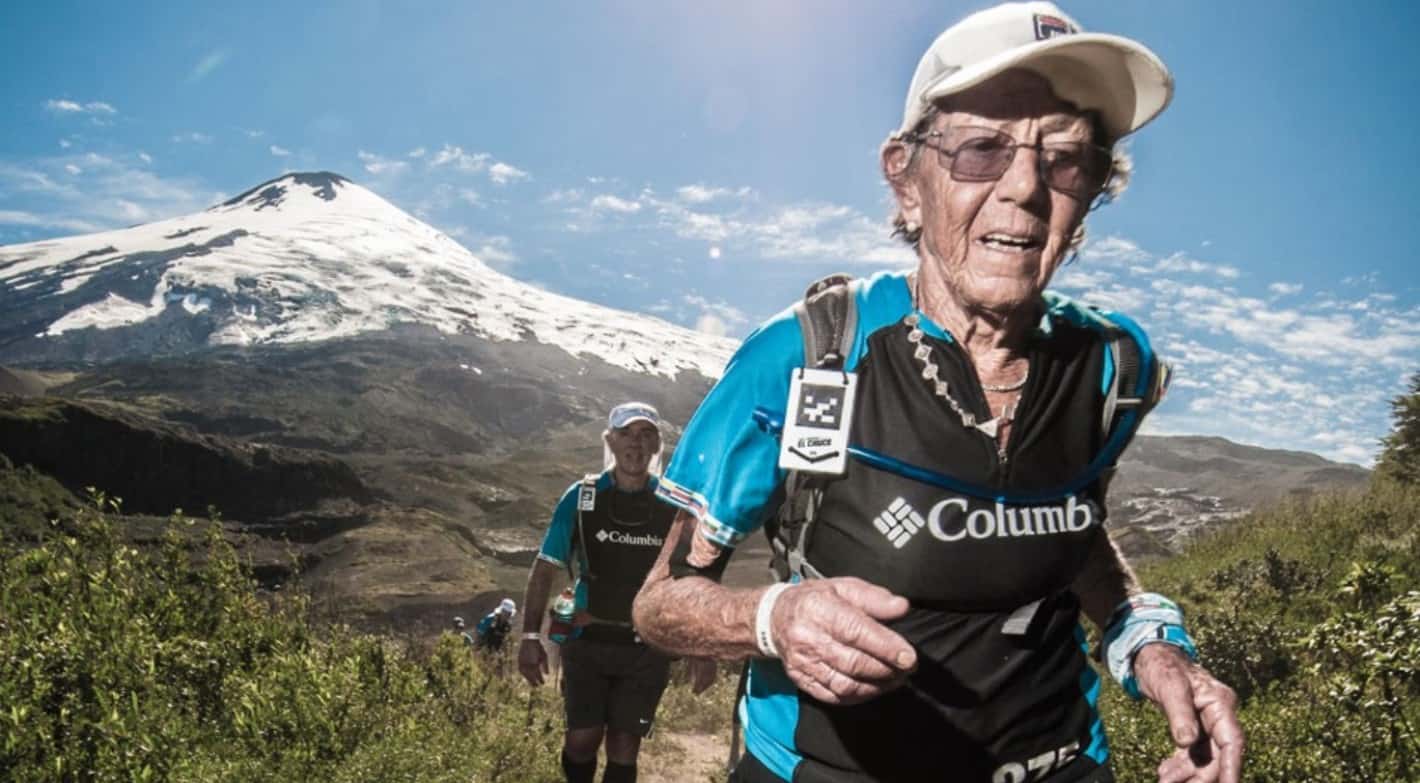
(313, 256)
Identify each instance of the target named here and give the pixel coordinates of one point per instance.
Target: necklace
(923, 353)
(639, 507)
(1008, 387)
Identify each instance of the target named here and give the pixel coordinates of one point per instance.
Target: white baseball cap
(628, 412)
(507, 605)
(1115, 76)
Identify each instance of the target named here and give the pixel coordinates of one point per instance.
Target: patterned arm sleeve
(725, 469)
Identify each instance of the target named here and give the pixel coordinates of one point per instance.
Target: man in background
(606, 532)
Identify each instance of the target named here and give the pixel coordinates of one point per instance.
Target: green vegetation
(1312, 612)
(120, 664)
(1400, 457)
(29, 499)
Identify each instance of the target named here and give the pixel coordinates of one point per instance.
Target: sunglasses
(973, 154)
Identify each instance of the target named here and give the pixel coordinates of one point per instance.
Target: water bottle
(562, 613)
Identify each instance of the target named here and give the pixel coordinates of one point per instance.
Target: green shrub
(1312, 612)
(119, 664)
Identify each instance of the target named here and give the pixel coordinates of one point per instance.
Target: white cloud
(377, 165)
(1179, 262)
(462, 161)
(811, 232)
(609, 203)
(828, 232)
(65, 144)
(145, 157)
(700, 194)
(496, 251)
(253, 133)
(470, 197)
(503, 173)
(711, 325)
(65, 106)
(209, 63)
(115, 193)
(563, 196)
(1285, 289)
(1112, 251)
(193, 137)
(72, 169)
(279, 152)
(718, 317)
(417, 152)
(11, 217)
(458, 159)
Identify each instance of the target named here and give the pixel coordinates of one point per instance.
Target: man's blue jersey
(619, 538)
(984, 703)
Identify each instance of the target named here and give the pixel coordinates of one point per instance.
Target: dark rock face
(36, 300)
(271, 193)
(157, 467)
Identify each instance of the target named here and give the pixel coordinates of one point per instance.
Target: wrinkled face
(994, 244)
(633, 446)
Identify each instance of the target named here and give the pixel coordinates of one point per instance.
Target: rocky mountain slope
(302, 258)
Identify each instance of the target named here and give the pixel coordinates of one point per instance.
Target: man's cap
(1115, 76)
(507, 605)
(628, 412)
(458, 622)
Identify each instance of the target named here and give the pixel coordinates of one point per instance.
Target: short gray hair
(1122, 168)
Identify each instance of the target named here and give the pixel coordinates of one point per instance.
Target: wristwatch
(532, 636)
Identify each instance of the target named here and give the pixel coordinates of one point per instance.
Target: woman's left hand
(1202, 714)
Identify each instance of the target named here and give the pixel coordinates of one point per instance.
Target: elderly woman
(936, 489)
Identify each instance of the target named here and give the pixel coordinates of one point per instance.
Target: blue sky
(704, 161)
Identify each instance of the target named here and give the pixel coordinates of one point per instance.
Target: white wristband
(532, 636)
(763, 639)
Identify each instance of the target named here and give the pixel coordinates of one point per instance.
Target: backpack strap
(586, 501)
(828, 321)
(1135, 381)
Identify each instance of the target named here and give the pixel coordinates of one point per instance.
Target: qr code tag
(817, 420)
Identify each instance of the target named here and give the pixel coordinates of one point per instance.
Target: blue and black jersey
(492, 631)
(984, 704)
(619, 540)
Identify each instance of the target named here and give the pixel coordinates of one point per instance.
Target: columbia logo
(602, 536)
(900, 522)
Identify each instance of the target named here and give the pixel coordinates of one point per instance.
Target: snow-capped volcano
(304, 257)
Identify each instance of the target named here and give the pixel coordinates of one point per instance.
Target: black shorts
(751, 770)
(613, 684)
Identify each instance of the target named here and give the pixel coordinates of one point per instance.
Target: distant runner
(461, 628)
(930, 452)
(612, 526)
(492, 630)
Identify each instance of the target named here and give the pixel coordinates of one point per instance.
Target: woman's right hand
(532, 661)
(833, 644)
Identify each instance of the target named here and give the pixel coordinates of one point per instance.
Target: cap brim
(1121, 79)
(632, 420)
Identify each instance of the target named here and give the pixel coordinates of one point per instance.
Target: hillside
(1311, 611)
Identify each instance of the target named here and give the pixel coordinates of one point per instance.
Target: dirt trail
(683, 757)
